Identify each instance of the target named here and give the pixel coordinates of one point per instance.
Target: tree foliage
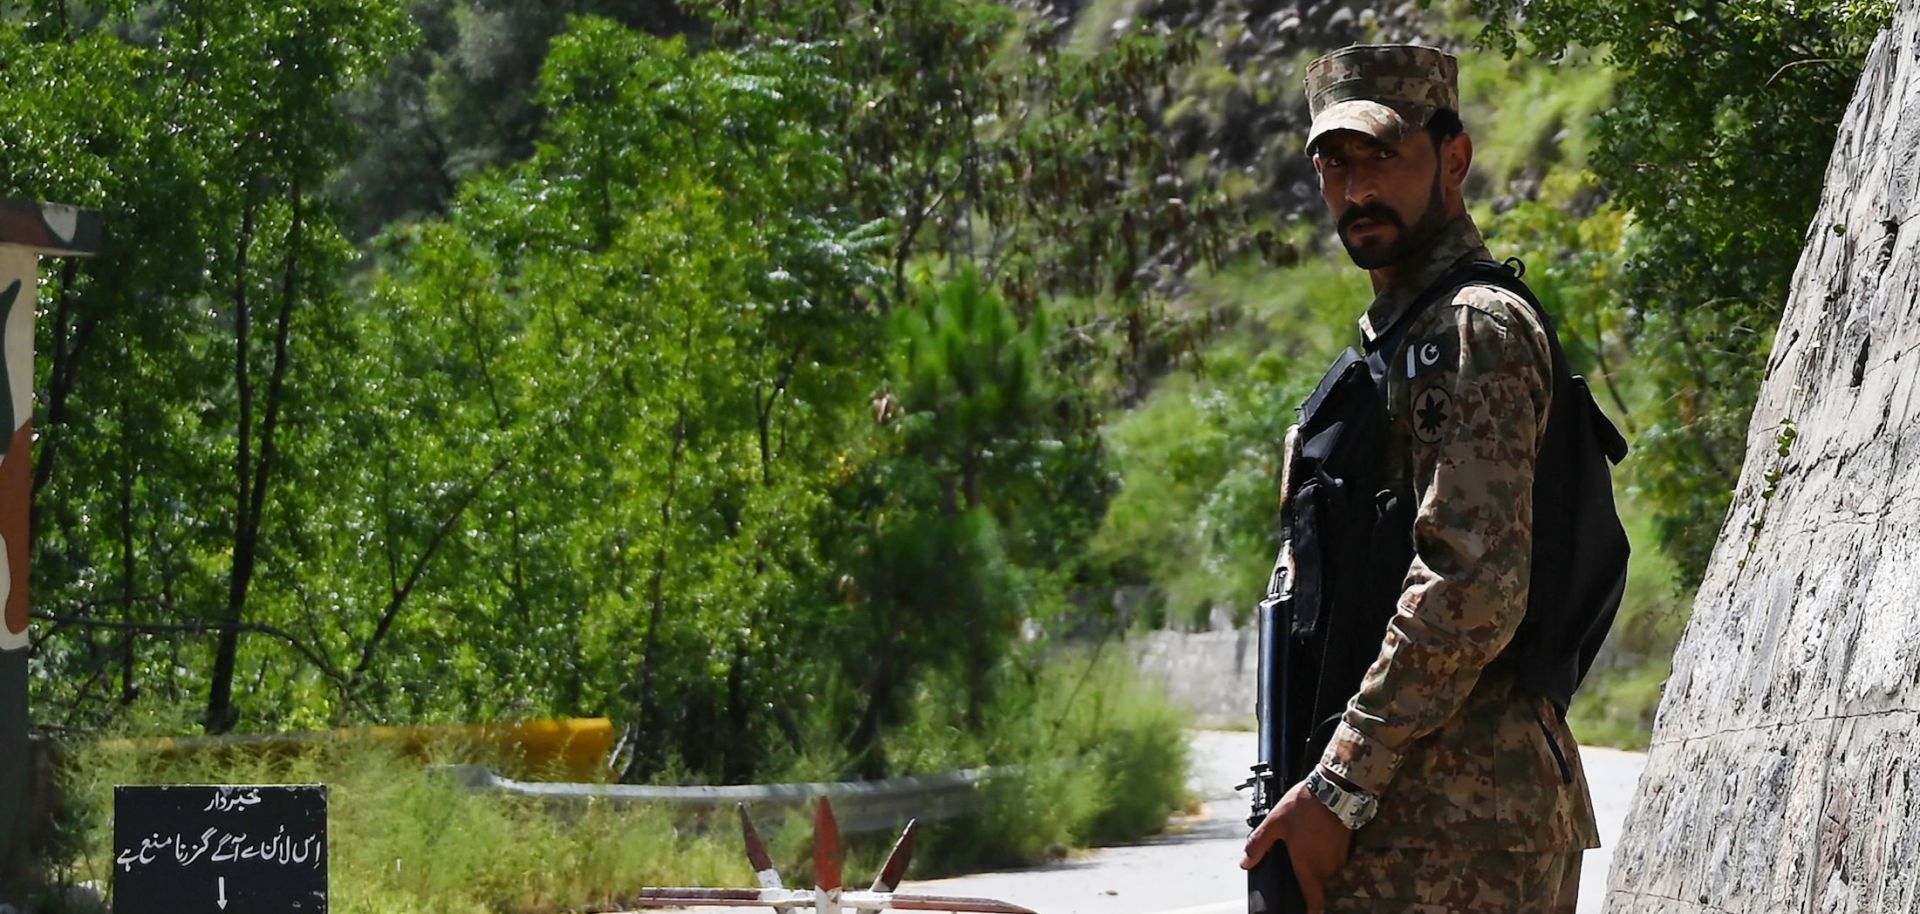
(209, 132)
(719, 385)
(1716, 144)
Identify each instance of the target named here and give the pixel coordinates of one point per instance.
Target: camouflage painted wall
(27, 230)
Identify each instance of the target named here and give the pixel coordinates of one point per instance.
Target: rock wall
(1783, 773)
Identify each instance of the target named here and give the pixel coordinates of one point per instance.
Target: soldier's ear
(1456, 157)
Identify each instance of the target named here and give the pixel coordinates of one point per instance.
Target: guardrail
(579, 747)
(863, 806)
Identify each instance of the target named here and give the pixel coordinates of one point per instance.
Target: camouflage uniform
(1483, 802)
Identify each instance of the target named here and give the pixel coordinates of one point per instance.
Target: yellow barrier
(575, 748)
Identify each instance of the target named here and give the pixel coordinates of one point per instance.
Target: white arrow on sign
(223, 894)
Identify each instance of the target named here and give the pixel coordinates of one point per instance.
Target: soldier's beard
(1374, 253)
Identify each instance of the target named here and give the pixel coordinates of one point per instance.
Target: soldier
(1481, 801)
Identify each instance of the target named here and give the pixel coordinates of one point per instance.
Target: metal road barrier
(863, 806)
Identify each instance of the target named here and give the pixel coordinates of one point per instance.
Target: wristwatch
(1353, 808)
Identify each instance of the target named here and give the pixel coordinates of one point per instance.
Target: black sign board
(220, 850)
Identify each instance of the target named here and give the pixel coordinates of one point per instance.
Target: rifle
(1272, 887)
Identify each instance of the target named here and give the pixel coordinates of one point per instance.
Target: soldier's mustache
(1378, 212)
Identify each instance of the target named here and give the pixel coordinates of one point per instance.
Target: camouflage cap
(1383, 90)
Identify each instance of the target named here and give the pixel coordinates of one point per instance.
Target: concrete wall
(1782, 775)
(1212, 674)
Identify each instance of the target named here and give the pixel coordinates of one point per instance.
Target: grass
(1616, 708)
(1616, 705)
(403, 840)
(1102, 758)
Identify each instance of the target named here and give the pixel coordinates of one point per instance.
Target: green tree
(462, 100)
(650, 423)
(1724, 118)
(1045, 169)
(657, 326)
(207, 131)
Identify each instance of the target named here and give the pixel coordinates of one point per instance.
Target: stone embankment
(1783, 774)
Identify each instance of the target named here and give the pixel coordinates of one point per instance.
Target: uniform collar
(1457, 241)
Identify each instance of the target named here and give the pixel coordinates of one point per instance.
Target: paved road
(1194, 868)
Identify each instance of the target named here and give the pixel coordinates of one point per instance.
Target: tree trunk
(736, 751)
(129, 568)
(219, 716)
(643, 760)
(69, 345)
(255, 472)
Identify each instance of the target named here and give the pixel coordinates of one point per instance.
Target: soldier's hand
(1317, 843)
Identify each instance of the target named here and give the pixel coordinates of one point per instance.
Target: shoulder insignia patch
(1429, 355)
(1432, 410)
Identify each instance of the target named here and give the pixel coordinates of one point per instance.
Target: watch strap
(1354, 808)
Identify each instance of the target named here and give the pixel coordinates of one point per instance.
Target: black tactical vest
(1351, 533)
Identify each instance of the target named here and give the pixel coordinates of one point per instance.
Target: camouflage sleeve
(1476, 386)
